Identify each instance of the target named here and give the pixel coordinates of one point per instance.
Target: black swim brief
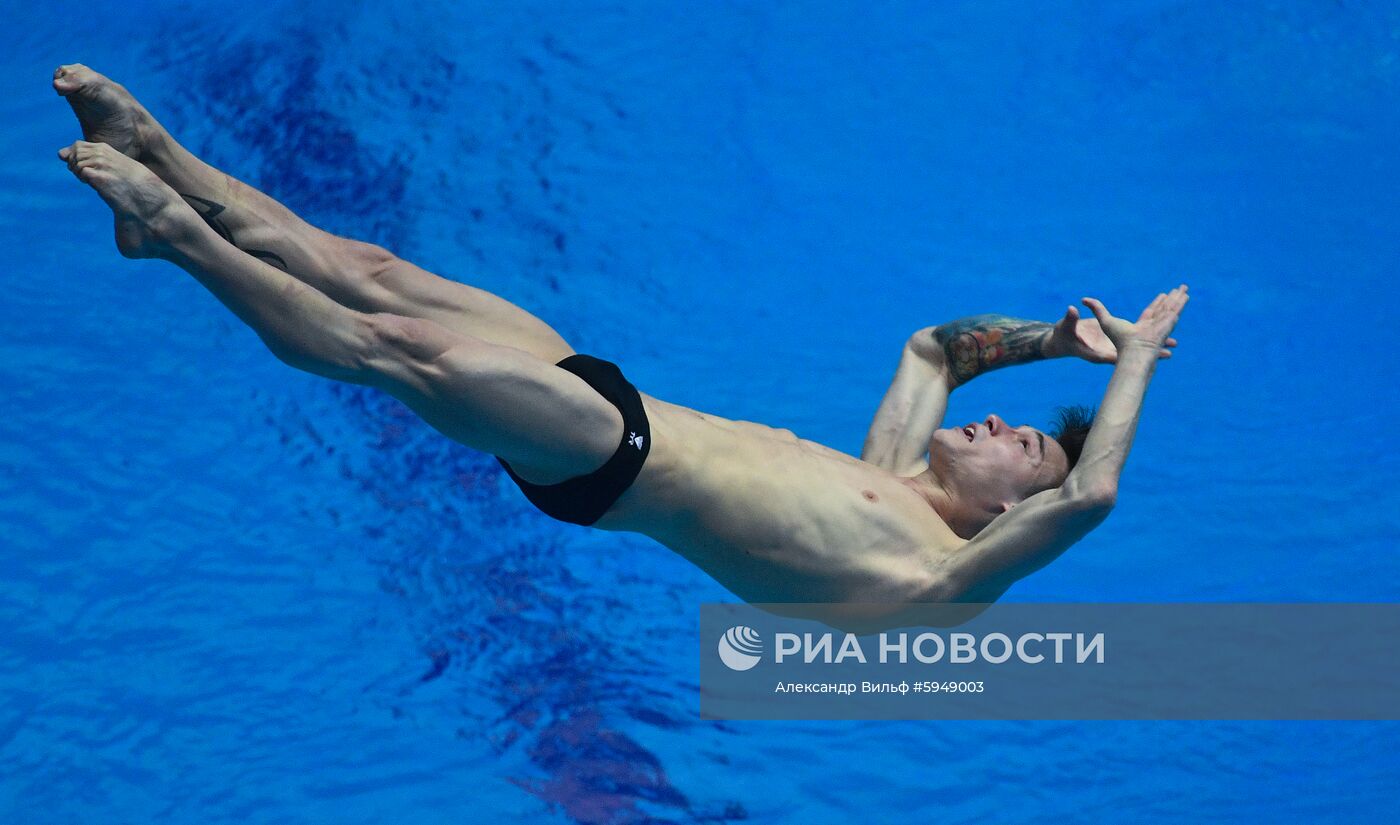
(584, 499)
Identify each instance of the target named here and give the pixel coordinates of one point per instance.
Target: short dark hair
(1071, 428)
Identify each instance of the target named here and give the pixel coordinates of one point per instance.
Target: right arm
(1036, 531)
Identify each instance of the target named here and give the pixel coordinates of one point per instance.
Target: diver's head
(989, 466)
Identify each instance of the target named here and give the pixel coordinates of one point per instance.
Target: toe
(72, 77)
(65, 84)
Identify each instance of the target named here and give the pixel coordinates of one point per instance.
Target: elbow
(943, 589)
(1097, 496)
(947, 583)
(1101, 500)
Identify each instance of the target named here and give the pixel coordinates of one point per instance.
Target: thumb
(1100, 311)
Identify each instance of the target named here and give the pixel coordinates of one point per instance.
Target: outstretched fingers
(1157, 305)
(1170, 311)
(1175, 301)
(1158, 318)
(1182, 296)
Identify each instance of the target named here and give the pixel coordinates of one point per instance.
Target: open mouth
(970, 431)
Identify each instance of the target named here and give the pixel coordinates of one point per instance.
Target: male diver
(771, 516)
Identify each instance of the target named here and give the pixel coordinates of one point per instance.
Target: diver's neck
(964, 520)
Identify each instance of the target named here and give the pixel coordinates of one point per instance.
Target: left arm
(933, 362)
(982, 343)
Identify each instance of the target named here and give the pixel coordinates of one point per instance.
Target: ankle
(175, 230)
(153, 142)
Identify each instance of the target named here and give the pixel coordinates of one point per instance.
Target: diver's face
(992, 463)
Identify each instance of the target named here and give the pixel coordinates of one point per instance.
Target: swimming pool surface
(230, 592)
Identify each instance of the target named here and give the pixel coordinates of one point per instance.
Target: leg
(358, 275)
(547, 422)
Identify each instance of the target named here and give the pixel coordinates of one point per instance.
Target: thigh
(407, 289)
(548, 423)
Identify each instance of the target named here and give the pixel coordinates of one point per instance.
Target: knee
(388, 339)
(367, 266)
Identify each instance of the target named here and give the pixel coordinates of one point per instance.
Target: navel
(869, 495)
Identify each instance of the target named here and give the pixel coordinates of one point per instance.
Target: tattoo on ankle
(982, 343)
(210, 211)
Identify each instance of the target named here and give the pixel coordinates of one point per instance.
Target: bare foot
(148, 214)
(106, 110)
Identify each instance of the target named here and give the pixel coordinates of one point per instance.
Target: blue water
(230, 592)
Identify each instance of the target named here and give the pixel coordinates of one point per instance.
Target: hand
(1152, 328)
(1085, 338)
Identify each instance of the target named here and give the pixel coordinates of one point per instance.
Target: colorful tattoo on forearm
(210, 211)
(981, 343)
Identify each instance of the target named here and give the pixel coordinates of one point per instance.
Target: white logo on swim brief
(635, 440)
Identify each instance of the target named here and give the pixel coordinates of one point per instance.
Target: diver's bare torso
(777, 518)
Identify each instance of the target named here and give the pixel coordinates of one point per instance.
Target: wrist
(1138, 351)
(1142, 345)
